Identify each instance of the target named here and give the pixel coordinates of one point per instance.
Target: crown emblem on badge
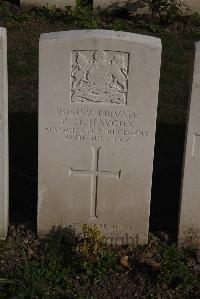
(99, 77)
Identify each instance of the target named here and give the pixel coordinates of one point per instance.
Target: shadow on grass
(14, 1)
(23, 168)
(23, 173)
(167, 177)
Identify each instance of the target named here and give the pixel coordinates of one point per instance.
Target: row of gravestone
(98, 94)
(140, 6)
(97, 4)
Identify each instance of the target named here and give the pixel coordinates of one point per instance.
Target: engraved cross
(94, 173)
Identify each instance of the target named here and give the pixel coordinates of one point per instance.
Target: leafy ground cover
(51, 267)
(56, 266)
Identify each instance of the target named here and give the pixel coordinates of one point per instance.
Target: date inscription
(97, 125)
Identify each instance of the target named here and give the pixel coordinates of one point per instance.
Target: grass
(49, 267)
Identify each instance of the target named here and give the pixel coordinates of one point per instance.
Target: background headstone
(59, 3)
(194, 5)
(189, 226)
(97, 119)
(139, 6)
(3, 135)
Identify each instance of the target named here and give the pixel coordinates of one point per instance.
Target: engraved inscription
(196, 146)
(99, 77)
(122, 227)
(94, 173)
(84, 124)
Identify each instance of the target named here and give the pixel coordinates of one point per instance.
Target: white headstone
(59, 3)
(194, 5)
(3, 135)
(189, 226)
(97, 118)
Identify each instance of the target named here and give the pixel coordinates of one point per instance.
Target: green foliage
(92, 242)
(59, 242)
(49, 267)
(39, 280)
(166, 10)
(195, 19)
(97, 271)
(118, 25)
(49, 11)
(93, 246)
(45, 268)
(12, 13)
(163, 14)
(52, 14)
(32, 273)
(175, 271)
(83, 16)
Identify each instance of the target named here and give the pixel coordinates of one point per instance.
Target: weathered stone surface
(189, 226)
(97, 119)
(59, 3)
(3, 135)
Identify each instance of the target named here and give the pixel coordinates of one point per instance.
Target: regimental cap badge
(99, 77)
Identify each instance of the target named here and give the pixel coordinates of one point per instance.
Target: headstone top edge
(197, 46)
(100, 33)
(2, 31)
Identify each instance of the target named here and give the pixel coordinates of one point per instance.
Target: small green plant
(83, 16)
(49, 11)
(166, 10)
(175, 271)
(118, 25)
(93, 246)
(105, 261)
(195, 19)
(93, 241)
(32, 273)
(162, 13)
(60, 241)
(13, 14)
(38, 280)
